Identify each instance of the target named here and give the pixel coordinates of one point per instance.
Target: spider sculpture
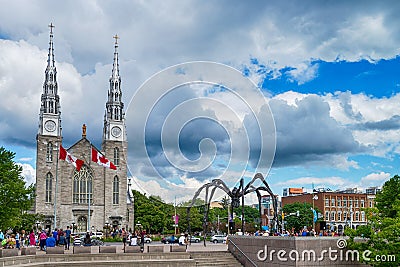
(236, 195)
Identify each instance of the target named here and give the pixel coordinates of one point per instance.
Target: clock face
(50, 126)
(116, 131)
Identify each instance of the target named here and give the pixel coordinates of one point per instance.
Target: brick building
(337, 209)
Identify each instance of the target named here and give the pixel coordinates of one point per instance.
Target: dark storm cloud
(307, 133)
(393, 123)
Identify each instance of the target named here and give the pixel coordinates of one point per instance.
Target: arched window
(326, 215)
(363, 216)
(116, 190)
(49, 185)
(82, 185)
(49, 152)
(116, 156)
(82, 224)
(339, 215)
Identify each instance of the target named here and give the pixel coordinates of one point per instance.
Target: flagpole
(89, 189)
(55, 195)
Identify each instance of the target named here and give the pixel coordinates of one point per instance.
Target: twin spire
(114, 106)
(50, 100)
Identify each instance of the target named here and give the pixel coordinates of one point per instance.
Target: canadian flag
(64, 155)
(101, 160)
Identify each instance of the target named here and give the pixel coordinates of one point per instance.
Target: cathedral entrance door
(82, 224)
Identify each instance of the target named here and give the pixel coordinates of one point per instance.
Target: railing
(252, 262)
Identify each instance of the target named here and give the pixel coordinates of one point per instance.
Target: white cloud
(279, 35)
(28, 172)
(303, 73)
(374, 179)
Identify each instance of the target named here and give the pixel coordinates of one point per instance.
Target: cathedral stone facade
(94, 196)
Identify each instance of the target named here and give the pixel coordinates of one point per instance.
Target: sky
(306, 94)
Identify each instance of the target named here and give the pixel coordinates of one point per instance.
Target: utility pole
(175, 221)
(229, 219)
(218, 225)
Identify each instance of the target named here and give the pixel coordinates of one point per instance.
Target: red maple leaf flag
(101, 160)
(64, 155)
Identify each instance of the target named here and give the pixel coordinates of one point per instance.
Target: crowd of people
(42, 239)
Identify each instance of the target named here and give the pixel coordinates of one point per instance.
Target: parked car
(97, 235)
(78, 241)
(147, 239)
(218, 239)
(169, 240)
(195, 239)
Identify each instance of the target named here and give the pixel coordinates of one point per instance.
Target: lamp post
(107, 228)
(73, 227)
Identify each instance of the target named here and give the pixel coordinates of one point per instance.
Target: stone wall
(291, 251)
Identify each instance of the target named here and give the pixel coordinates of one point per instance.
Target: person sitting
(61, 240)
(87, 241)
(133, 240)
(50, 241)
(11, 242)
(182, 240)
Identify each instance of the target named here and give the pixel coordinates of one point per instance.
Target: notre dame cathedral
(94, 196)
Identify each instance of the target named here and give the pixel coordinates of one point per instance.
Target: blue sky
(329, 72)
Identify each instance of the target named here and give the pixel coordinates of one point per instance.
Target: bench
(107, 249)
(133, 249)
(28, 251)
(155, 248)
(82, 250)
(8, 252)
(177, 249)
(55, 250)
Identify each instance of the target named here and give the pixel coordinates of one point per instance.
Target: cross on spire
(51, 26)
(116, 37)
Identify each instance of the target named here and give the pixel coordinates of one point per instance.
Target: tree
(381, 236)
(15, 197)
(386, 199)
(305, 217)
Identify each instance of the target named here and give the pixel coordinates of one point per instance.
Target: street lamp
(37, 226)
(107, 228)
(73, 227)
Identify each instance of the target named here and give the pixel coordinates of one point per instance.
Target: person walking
(67, 238)
(32, 239)
(42, 240)
(124, 235)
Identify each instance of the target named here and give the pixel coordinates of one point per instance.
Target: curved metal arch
(216, 182)
(235, 194)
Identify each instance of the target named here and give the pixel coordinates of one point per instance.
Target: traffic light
(298, 213)
(231, 226)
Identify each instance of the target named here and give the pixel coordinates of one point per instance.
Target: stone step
(215, 259)
(117, 263)
(32, 259)
(172, 259)
(230, 264)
